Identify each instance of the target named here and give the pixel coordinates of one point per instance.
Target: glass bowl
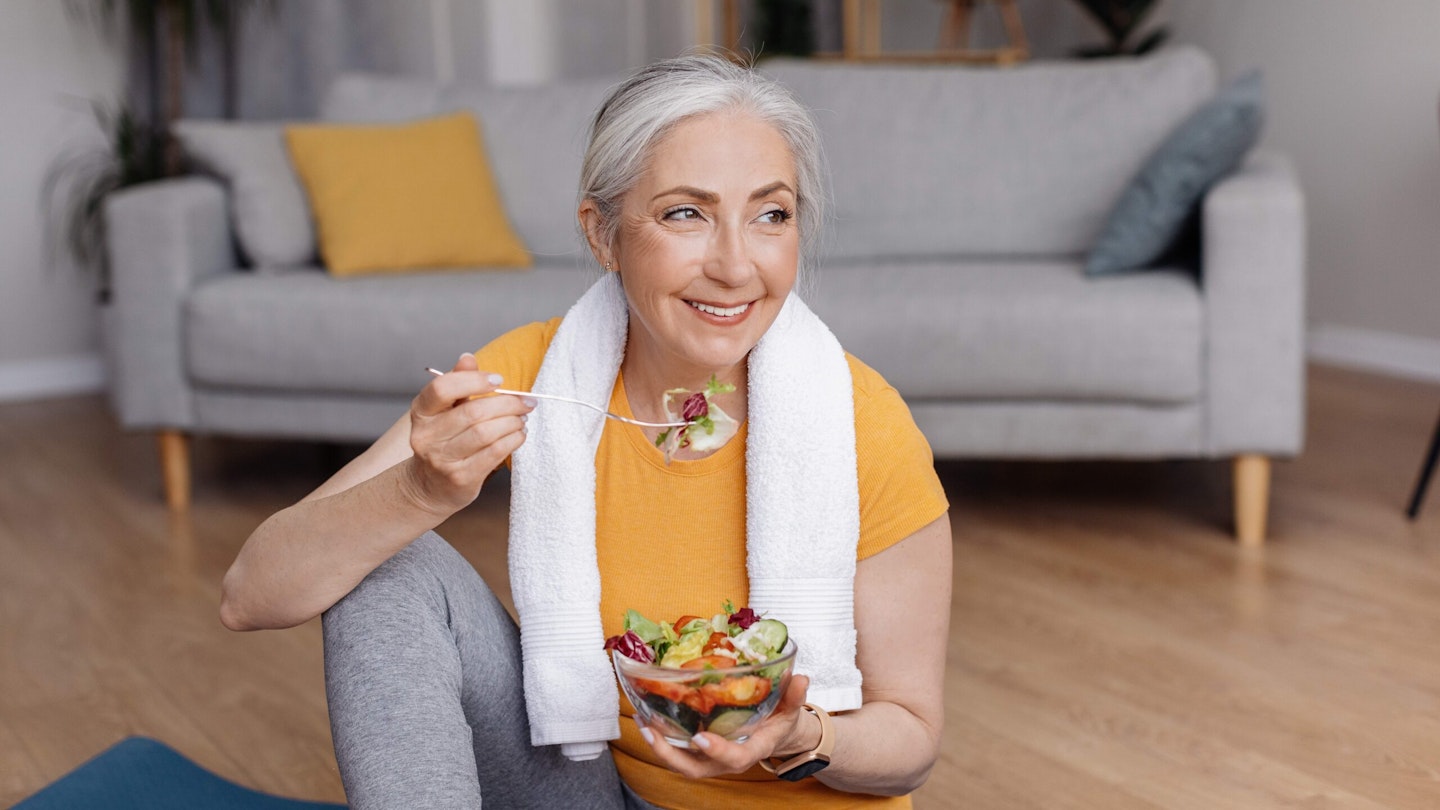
(729, 702)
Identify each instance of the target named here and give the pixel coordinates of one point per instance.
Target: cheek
(781, 258)
(644, 244)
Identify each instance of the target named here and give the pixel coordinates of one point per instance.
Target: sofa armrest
(162, 238)
(1253, 275)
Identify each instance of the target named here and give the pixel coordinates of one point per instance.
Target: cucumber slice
(729, 721)
(771, 633)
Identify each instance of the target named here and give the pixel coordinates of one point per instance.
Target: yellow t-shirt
(671, 541)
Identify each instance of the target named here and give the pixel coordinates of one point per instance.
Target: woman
(699, 186)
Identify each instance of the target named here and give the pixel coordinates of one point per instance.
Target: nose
(728, 261)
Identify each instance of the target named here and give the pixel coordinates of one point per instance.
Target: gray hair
(645, 107)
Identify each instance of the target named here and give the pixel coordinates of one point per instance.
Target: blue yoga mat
(139, 772)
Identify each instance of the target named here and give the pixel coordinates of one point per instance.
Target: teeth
(721, 311)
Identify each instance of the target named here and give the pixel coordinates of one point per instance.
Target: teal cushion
(1152, 213)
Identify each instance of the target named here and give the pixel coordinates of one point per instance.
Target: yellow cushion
(403, 196)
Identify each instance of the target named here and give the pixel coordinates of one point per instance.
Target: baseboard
(1383, 352)
(54, 377)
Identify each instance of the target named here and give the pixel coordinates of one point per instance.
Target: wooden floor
(1111, 647)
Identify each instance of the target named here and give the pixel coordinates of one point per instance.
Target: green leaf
(715, 387)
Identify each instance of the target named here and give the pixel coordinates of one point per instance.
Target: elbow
(232, 611)
(911, 781)
(917, 779)
(927, 755)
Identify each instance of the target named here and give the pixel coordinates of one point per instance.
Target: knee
(412, 578)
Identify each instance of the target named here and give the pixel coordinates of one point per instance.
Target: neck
(649, 372)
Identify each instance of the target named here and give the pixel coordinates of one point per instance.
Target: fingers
(713, 755)
(464, 429)
(463, 381)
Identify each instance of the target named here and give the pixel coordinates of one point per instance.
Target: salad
(707, 426)
(729, 670)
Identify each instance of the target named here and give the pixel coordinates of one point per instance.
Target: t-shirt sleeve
(899, 490)
(517, 354)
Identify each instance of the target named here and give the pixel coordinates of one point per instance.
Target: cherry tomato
(670, 690)
(709, 662)
(718, 641)
(698, 700)
(684, 620)
(739, 690)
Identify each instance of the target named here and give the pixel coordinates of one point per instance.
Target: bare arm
(889, 744)
(427, 466)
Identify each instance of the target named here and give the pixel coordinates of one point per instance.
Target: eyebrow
(711, 197)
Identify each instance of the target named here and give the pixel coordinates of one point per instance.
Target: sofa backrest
(925, 160)
(535, 138)
(939, 160)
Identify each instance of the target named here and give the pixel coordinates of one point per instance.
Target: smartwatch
(811, 762)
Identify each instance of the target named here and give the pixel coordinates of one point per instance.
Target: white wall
(50, 68)
(1353, 91)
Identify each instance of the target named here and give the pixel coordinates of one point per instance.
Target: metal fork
(617, 417)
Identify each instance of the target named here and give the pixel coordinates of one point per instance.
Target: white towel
(802, 516)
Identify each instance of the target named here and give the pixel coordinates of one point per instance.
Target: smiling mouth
(720, 312)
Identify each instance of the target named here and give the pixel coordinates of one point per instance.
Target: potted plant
(135, 149)
(1121, 21)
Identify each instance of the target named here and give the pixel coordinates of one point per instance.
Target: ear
(592, 224)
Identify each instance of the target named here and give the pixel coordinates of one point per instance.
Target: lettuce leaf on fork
(708, 426)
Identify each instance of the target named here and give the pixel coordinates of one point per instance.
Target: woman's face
(708, 245)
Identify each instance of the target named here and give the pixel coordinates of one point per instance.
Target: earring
(607, 267)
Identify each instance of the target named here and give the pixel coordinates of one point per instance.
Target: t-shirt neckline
(731, 452)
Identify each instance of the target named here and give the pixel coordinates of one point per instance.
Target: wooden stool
(955, 35)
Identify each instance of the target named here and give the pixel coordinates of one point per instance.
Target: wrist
(810, 762)
(416, 495)
(804, 736)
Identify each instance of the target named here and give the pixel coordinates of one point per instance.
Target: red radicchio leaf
(631, 646)
(744, 618)
(694, 407)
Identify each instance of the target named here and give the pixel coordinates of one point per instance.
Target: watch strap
(809, 762)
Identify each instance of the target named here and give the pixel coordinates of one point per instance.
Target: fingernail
(524, 417)
(647, 734)
(495, 379)
(465, 355)
(701, 741)
(527, 401)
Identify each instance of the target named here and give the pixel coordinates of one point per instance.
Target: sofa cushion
(268, 206)
(535, 137)
(395, 197)
(308, 331)
(1155, 208)
(987, 330)
(947, 160)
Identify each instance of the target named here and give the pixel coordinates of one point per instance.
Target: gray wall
(49, 71)
(1353, 90)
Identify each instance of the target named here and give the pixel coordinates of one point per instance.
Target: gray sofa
(964, 202)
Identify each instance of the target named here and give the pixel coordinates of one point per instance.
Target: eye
(776, 216)
(682, 213)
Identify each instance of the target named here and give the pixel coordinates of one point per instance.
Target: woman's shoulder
(869, 386)
(517, 354)
(883, 424)
(899, 490)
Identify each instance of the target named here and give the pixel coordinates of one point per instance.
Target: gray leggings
(422, 670)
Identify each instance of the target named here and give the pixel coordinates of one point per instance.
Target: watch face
(804, 769)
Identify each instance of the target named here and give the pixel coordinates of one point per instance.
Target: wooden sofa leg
(175, 468)
(1252, 498)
